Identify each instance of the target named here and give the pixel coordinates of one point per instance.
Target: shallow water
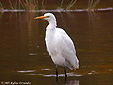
(23, 55)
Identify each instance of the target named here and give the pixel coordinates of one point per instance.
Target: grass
(1, 6)
(43, 4)
(34, 4)
(28, 4)
(22, 4)
(95, 3)
(71, 4)
(11, 4)
(61, 4)
(92, 4)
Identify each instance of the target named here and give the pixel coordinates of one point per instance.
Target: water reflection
(70, 82)
(61, 78)
(27, 71)
(73, 82)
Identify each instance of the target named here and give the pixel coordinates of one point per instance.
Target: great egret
(59, 45)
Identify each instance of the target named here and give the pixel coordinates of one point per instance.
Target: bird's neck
(53, 22)
(52, 25)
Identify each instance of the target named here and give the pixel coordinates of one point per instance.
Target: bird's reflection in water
(68, 82)
(73, 82)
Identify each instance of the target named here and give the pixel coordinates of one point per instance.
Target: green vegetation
(89, 5)
(1, 6)
(71, 4)
(93, 4)
(21, 4)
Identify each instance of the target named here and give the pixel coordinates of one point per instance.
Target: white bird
(59, 45)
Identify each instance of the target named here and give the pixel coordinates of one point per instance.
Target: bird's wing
(68, 49)
(66, 41)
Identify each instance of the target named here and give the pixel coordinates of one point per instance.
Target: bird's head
(47, 16)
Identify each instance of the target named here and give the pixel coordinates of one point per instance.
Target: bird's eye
(47, 16)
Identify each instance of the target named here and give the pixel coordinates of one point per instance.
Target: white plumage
(59, 45)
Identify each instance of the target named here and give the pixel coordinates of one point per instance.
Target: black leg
(56, 73)
(65, 72)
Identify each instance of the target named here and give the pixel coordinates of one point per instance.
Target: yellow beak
(41, 17)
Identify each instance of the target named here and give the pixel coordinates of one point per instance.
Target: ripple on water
(92, 72)
(46, 69)
(32, 54)
(110, 69)
(26, 71)
(61, 75)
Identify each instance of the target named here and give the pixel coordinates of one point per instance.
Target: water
(23, 55)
